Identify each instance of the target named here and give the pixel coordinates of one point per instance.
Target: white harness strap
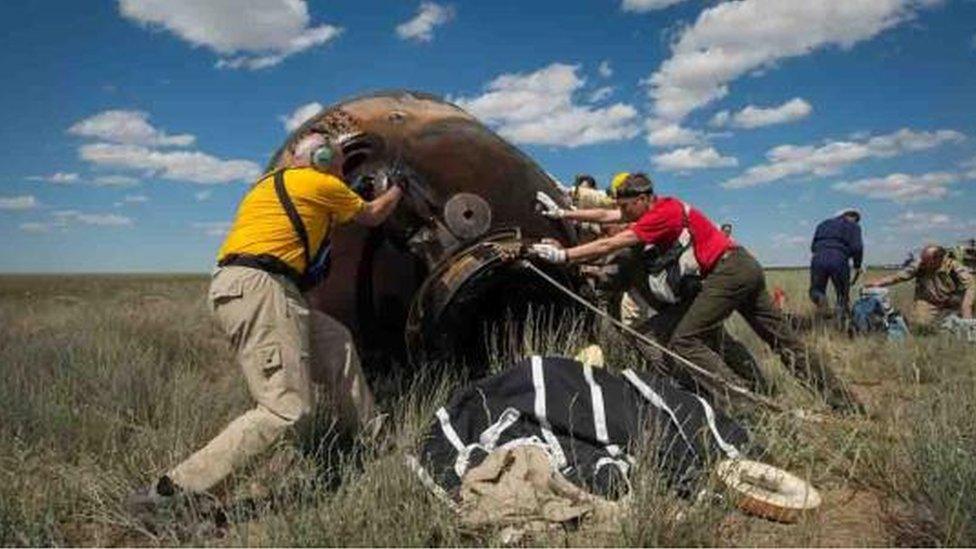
(658, 402)
(535, 442)
(487, 441)
(414, 465)
(599, 411)
(688, 260)
(489, 437)
(729, 449)
(461, 462)
(448, 430)
(617, 457)
(539, 382)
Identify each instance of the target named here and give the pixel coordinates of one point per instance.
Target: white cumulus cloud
(115, 181)
(539, 108)
(212, 228)
(735, 38)
(35, 227)
(104, 220)
(300, 115)
(64, 217)
(58, 178)
(901, 187)
(643, 6)
(601, 93)
(692, 158)
(23, 202)
(127, 141)
(970, 167)
(429, 16)
(135, 199)
(754, 117)
(129, 127)
(661, 133)
(911, 221)
(251, 34)
(604, 69)
(832, 157)
(191, 166)
(930, 226)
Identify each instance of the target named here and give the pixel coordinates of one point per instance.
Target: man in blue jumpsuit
(836, 243)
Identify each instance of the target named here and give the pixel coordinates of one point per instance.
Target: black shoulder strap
(296, 220)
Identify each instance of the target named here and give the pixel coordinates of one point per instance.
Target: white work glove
(548, 252)
(549, 207)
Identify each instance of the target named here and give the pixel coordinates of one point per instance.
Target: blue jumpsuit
(836, 242)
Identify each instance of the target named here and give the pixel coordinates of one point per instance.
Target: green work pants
(737, 283)
(734, 353)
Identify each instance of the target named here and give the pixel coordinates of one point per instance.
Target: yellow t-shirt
(261, 225)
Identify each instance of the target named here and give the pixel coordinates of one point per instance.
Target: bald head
(302, 157)
(315, 151)
(931, 257)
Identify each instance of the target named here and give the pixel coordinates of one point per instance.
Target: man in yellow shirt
(277, 247)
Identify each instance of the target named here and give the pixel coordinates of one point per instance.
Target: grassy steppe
(105, 381)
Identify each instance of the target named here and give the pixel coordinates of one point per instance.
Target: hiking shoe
(162, 494)
(165, 501)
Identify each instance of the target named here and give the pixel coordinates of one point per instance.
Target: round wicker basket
(766, 491)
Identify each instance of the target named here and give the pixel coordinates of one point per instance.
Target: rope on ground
(713, 378)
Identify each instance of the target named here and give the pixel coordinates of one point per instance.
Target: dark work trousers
(737, 283)
(734, 353)
(833, 266)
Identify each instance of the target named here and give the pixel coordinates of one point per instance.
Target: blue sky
(132, 128)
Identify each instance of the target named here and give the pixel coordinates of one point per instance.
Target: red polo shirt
(662, 223)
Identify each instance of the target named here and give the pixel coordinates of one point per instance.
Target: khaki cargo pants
(929, 315)
(284, 349)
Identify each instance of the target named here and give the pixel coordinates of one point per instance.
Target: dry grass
(107, 381)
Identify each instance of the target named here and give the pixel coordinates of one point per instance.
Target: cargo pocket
(269, 360)
(223, 289)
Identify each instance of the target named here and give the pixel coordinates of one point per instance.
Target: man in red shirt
(732, 280)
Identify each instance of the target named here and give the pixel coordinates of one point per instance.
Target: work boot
(165, 501)
(154, 498)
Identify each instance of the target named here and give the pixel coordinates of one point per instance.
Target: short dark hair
(635, 184)
(585, 179)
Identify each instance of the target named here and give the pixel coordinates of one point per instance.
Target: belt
(264, 262)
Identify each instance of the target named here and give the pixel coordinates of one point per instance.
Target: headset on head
(321, 156)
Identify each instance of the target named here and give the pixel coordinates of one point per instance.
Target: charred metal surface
(425, 276)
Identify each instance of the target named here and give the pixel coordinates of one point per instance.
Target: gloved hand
(399, 179)
(548, 252)
(858, 273)
(549, 207)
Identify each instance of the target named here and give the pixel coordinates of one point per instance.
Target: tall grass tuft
(943, 454)
(109, 381)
